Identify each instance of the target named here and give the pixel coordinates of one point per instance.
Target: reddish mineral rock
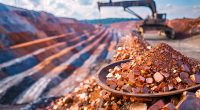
(184, 75)
(136, 90)
(120, 83)
(178, 79)
(160, 69)
(114, 106)
(130, 48)
(126, 88)
(166, 75)
(138, 106)
(149, 80)
(142, 79)
(197, 93)
(125, 66)
(170, 86)
(106, 97)
(189, 82)
(158, 105)
(188, 93)
(195, 78)
(185, 68)
(189, 102)
(158, 77)
(169, 106)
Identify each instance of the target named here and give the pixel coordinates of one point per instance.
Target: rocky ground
(188, 46)
(91, 96)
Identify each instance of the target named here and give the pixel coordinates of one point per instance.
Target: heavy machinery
(157, 21)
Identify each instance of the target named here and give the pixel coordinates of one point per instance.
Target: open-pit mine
(57, 63)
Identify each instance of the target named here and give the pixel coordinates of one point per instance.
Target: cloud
(180, 11)
(35, 2)
(169, 5)
(196, 9)
(85, 2)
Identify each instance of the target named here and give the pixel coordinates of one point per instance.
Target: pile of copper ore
(160, 69)
(90, 96)
(130, 48)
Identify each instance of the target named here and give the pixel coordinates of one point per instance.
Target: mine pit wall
(19, 61)
(37, 62)
(34, 43)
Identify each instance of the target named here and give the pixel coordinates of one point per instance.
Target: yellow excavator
(157, 21)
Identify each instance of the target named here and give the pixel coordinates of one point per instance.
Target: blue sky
(87, 9)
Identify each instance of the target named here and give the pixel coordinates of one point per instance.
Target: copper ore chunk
(158, 105)
(197, 93)
(145, 90)
(138, 106)
(119, 102)
(120, 83)
(117, 68)
(136, 72)
(131, 77)
(175, 81)
(189, 82)
(136, 90)
(114, 106)
(155, 88)
(195, 78)
(110, 75)
(102, 93)
(186, 93)
(106, 97)
(125, 66)
(184, 75)
(170, 86)
(149, 80)
(149, 63)
(142, 79)
(126, 88)
(166, 75)
(158, 77)
(111, 81)
(178, 79)
(185, 68)
(169, 106)
(189, 102)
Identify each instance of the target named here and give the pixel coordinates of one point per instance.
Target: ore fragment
(185, 68)
(197, 93)
(189, 102)
(195, 78)
(184, 75)
(158, 77)
(158, 105)
(169, 106)
(138, 106)
(149, 80)
(126, 88)
(166, 75)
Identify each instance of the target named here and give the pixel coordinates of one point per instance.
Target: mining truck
(157, 21)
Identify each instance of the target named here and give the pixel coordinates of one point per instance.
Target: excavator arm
(156, 22)
(126, 4)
